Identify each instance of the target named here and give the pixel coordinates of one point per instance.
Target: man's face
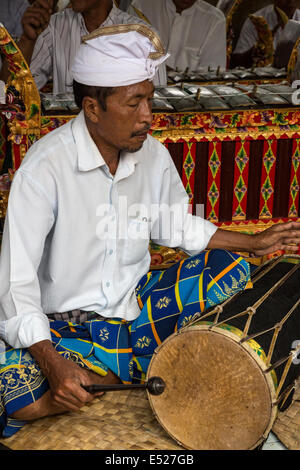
(288, 6)
(80, 6)
(183, 4)
(127, 119)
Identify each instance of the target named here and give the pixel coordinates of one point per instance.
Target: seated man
(49, 42)
(193, 31)
(242, 54)
(286, 43)
(11, 14)
(78, 304)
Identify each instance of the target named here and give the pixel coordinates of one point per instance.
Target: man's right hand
(36, 18)
(65, 377)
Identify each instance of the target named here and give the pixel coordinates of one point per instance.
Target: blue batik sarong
(168, 300)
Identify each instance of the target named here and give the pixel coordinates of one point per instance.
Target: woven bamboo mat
(124, 421)
(287, 424)
(116, 421)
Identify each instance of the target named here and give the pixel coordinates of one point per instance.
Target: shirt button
(110, 252)
(107, 284)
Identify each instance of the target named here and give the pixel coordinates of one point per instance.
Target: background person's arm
(35, 20)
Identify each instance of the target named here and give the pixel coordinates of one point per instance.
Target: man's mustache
(141, 132)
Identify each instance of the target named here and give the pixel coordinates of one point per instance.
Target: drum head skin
(216, 395)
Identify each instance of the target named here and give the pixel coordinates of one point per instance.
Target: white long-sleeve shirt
(248, 35)
(225, 6)
(195, 38)
(57, 45)
(76, 237)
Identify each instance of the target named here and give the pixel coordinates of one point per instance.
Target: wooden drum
(228, 371)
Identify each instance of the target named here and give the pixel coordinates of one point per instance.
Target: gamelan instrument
(205, 95)
(223, 97)
(219, 381)
(231, 75)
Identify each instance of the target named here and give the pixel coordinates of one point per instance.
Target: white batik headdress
(118, 55)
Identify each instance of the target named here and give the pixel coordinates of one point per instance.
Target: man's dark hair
(97, 92)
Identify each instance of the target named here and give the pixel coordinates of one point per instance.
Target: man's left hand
(283, 236)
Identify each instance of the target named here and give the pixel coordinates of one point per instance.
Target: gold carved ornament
(282, 17)
(263, 54)
(23, 107)
(293, 60)
(22, 83)
(229, 27)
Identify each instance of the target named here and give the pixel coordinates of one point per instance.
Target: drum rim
(247, 348)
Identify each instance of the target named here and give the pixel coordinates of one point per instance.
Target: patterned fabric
(74, 316)
(168, 300)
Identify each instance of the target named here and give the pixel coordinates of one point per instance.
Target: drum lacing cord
(258, 274)
(288, 359)
(284, 396)
(277, 327)
(252, 309)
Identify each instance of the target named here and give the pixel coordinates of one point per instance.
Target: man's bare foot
(44, 406)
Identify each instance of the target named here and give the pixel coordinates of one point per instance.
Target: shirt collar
(82, 25)
(296, 14)
(109, 20)
(88, 155)
(188, 11)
